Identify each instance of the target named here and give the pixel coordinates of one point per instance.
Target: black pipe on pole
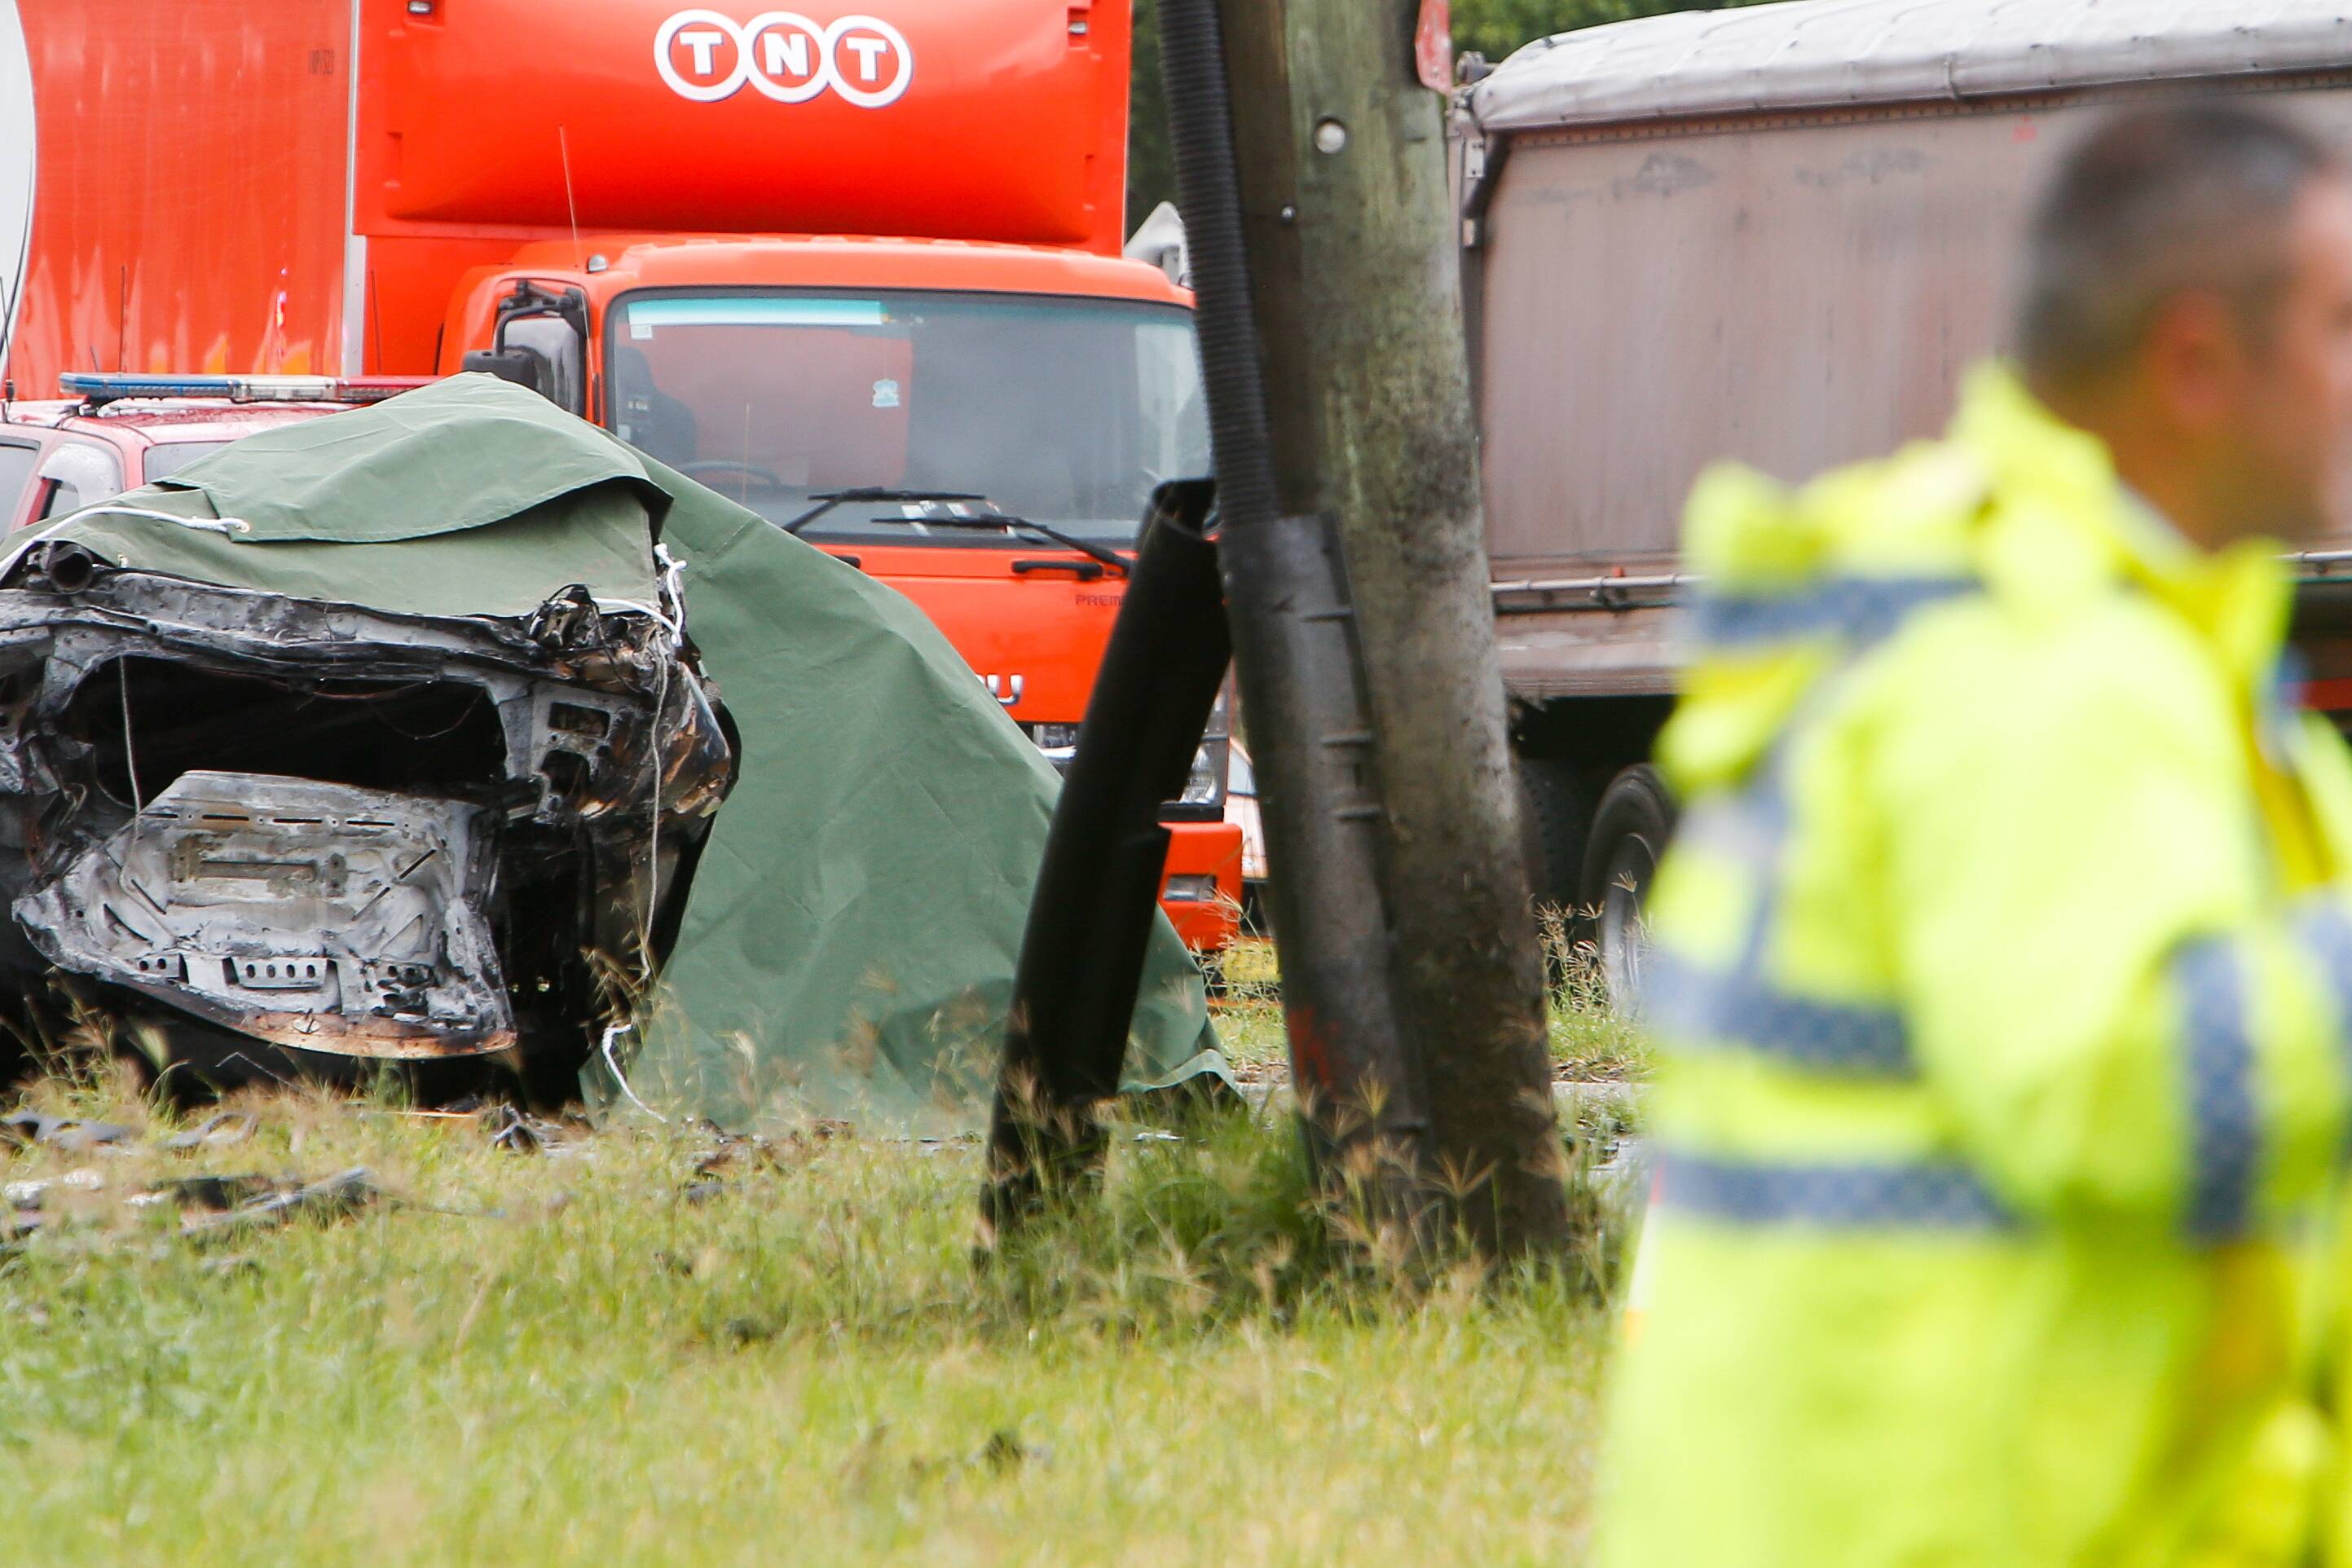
(1302, 685)
(1090, 920)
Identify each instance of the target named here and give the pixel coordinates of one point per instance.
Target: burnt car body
(334, 830)
(247, 829)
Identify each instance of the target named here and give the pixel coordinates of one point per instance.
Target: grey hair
(2153, 203)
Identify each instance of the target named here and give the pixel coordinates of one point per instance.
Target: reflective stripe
(1924, 1196)
(1749, 826)
(2278, 707)
(2223, 1136)
(1701, 1009)
(2325, 929)
(1859, 609)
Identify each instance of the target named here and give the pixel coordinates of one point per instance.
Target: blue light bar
(100, 388)
(94, 387)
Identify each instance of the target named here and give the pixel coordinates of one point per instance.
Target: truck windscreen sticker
(644, 315)
(707, 56)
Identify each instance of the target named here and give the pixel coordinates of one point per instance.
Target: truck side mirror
(540, 341)
(518, 365)
(555, 343)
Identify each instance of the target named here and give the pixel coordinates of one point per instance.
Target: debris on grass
(31, 1194)
(335, 1197)
(519, 1132)
(738, 1154)
(737, 1333)
(217, 1193)
(1004, 1451)
(23, 1128)
(209, 1206)
(1189, 1333)
(218, 1130)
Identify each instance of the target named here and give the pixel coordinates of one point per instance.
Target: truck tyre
(1630, 829)
(1554, 818)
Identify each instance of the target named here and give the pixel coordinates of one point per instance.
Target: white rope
(129, 755)
(612, 1063)
(229, 526)
(225, 525)
(611, 606)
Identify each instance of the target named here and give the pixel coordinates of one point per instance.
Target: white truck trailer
(1777, 235)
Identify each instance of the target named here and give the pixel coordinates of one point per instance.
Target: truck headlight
(1204, 787)
(1058, 742)
(1206, 784)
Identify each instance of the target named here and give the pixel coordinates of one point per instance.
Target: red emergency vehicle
(60, 454)
(858, 269)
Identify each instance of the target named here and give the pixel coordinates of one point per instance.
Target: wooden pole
(1294, 640)
(1350, 233)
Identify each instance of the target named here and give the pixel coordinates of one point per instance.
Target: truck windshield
(1065, 410)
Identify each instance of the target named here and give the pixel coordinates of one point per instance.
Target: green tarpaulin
(848, 945)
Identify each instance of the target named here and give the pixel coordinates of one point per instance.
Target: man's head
(2187, 296)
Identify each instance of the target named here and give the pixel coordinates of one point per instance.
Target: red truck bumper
(1203, 890)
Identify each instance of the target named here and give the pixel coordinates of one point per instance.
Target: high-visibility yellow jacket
(2001, 983)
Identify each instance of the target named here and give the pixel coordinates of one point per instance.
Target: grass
(1589, 1042)
(571, 1357)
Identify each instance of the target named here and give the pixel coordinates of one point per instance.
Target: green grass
(1587, 1041)
(564, 1359)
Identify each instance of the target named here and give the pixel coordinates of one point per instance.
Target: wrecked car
(453, 732)
(439, 809)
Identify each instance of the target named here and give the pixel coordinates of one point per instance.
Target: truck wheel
(1554, 818)
(1630, 829)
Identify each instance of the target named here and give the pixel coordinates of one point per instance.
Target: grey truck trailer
(1777, 235)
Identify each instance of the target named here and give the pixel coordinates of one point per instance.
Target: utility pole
(1354, 294)
(1360, 1087)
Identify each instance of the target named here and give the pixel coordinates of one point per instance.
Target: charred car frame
(255, 831)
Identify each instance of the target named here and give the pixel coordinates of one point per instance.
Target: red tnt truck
(858, 270)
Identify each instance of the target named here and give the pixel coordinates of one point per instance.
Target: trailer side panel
(191, 199)
(1792, 296)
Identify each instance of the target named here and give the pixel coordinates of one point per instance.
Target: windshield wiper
(828, 500)
(1107, 556)
(991, 517)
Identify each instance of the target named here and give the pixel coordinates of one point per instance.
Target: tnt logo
(706, 56)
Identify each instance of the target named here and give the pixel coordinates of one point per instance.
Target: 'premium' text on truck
(859, 271)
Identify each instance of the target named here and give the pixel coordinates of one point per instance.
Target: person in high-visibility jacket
(2002, 966)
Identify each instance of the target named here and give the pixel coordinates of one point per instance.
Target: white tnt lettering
(785, 53)
(704, 46)
(867, 50)
(786, 57)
